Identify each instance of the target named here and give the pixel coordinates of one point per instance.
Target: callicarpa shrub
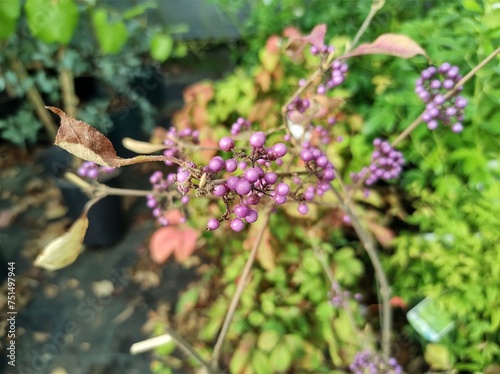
(254, 171)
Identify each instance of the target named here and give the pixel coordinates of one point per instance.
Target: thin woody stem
(239, 291)
(462, 81)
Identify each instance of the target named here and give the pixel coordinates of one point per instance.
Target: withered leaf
(85, 142)
(389, 44)
(142, 147)
(64, 250)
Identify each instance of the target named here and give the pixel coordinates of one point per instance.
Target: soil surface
(81, 319)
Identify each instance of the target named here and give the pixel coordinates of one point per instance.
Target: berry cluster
(386, 164)
(240, 125)
(339, 71)
(300, 105)
(326, 49)
(250, 186)
(432, 86)
(339, 297)
(173, 138)
(162, 198)
(89, 169)
(369, 362)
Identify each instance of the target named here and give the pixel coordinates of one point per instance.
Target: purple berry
(92, 173)
(271, 178)
(231, 182)
(213, 224)
(280, 199)
(237, 224)
(226, 144)
(182, 176)
(306, 155)
(152, 203)
(253, 199)
(258, 139)
(216, 164)
(279, 150)
(252, 216)
(243, 187)
(220, 190)
(231, 165)
(282, 189)
(240, 210)
(303, 208)
(251, 175)
(457, 127)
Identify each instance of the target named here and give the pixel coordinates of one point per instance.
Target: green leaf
(110, 36)
(280, 358)
(188, 300)
(10, 10)
(138, 10)
(52, 21)
(260, 363)
(473, 6)
(267, 340)
(161, 47)
(241, 356)
(437, 356)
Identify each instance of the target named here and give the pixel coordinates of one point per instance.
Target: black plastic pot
(106, 219)
(127, 123)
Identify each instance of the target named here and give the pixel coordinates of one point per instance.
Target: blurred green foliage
(88, 38)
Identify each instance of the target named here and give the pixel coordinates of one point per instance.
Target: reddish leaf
(273, 44)
(389, 44)
(172, 240)
(187, 245)
(296, 44)
(87, 143)
(163, 243)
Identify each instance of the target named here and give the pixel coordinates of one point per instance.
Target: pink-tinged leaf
(292, 32)
(297, 42)
(317, 36)
(87, 143)
(186, 247)
(273, 44)
(163, 243)
(181, 242)
(389, 44)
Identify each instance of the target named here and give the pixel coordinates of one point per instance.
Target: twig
(320, 255)
(239, 291)
(385, 290)
(462, 81)
(149, 344)
(376, 6)
(36, 99)
(70, 100)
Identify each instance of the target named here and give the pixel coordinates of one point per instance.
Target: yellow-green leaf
(64, 250)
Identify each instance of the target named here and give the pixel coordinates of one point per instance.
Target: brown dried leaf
(389, 44)
(85, 142)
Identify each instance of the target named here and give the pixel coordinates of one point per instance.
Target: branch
(462, 81)
(239, 291)
(66, 79)
(36, 99)
(385, 290)
(376, 6)
(149, 344)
